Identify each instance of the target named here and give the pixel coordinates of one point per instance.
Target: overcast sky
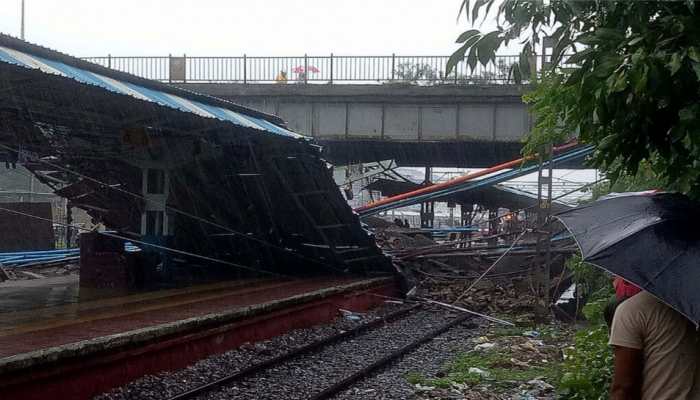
(234, 27)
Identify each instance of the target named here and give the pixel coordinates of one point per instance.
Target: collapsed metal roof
(93, 74)
(241, 186)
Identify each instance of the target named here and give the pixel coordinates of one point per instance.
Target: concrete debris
(31, 275)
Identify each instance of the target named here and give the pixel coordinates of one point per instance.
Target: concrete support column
(427, 209)
(427, 215)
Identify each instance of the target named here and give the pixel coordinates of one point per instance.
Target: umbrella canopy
(300, 69)
(650, 239)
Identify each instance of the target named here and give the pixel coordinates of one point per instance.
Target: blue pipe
(33, 260)
(39, 252)
(26, 256)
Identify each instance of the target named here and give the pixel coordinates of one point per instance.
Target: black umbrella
(649, 239)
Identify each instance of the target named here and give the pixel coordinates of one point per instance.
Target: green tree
(631, 87)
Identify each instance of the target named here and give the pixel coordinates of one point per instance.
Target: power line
(176, 210)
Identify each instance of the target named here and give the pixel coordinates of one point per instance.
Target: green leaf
(607, 141)
(691, 5)
(588, 39)
(458, 55)
(635, 40)
(559, 49)
(620, 83)
(477, 7)
(472, 58)
(467, 35)
(675, 64)
(455, 59)
(580, 56)
(487, 47)
(609, 35)
(515, 73)
(524, 61)
(463, 8)
(696, 69)
(488, 8)
(640, 82)
(694, 54)
(606, 66)
(687, 114)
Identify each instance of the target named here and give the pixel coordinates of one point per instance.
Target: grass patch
(501, 371)
(499, 368)
(503, 364)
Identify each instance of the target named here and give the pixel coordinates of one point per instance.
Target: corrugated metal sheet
(15, 57)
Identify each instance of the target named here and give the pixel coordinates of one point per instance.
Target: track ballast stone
(170, 383)
(304, 376)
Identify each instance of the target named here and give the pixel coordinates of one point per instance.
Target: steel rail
(384, 361)
(315, 346)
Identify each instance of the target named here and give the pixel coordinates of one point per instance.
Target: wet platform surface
(34, 294)
(35, 329)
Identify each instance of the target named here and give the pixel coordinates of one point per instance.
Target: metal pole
(22, 24)
(393, 66)
(245, 69)
(543, 246)
(31, 188)
(69, 223)
(306, 68)
(170, 68)
(548, 216)
(331, 81)
(184, 68)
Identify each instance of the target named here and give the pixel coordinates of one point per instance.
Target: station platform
(80, 349)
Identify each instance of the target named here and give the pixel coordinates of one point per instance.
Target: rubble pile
(39, 272)
(511, 297)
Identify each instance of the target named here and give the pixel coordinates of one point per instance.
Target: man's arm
(627, 379)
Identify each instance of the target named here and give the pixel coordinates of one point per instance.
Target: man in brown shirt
(656, 352)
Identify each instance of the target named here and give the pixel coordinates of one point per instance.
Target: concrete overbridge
(366, 108)
(439, 126)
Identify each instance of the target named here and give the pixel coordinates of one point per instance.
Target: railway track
(313, 353)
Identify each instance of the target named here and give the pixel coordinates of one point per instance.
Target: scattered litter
(525, 396)
(519, 363)
(481, 339)
(421, 388)
(531, 334)
(479, 371)
(540, 385)
(484, 346)
(349, 315)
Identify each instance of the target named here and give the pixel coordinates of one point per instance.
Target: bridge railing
(423, 70)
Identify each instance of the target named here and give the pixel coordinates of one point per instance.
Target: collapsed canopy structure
(174, 168)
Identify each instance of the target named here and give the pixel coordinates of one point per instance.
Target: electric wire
(176, 210)
(490, 268)
(165, 248)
